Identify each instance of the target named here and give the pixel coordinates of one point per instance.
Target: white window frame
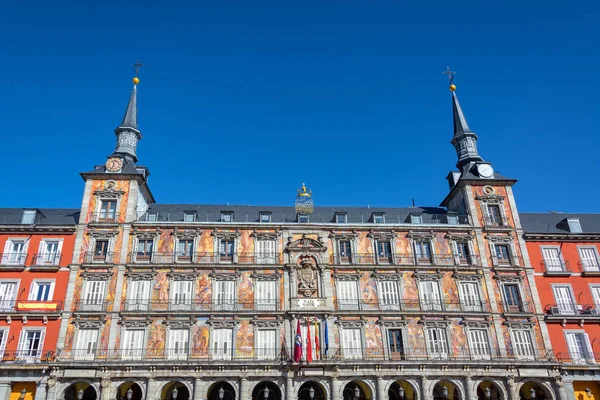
(264, 256)
(435, 303)
(341, 218)
(487, 215)
(33, 289)
(19, 258)
(513, 258)
(30, 358)
(8, 304)
(348, 303)
(470, 258)
(181, 300)
(193, 254)
(566, 306)
(351, 352)
(553, 265)
(109, 250)
(595, 291)
(133, 353)
(100, 201)
(416, 219)
(345, 259)
(375, 217)
(44, 258)
(303, 218)
(221, 353)
(382, 258)
(174, 353)
(224, 303)
(403, 333)
(431, 261)
(82, 350)
(472, 303)
(135, 303)
(596, 266)
(269, 303)
(268, 218)
(265, 352)
(28, 213)
(3, 340)
(97, 302)
(135, 249)
(187, 214)
(588, 354)
(386, 304)
(515, 345)
(227, 216)
(523, 307)
(233, 255)
(441, 345)
(574, 225)
(482, 350)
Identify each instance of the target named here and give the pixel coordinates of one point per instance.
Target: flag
(326, 338)
(298, 344)
(317, 344)
(309, 342)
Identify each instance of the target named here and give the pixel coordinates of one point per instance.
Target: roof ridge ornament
(304, 202)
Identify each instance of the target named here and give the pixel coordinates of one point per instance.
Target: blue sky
(242, 101)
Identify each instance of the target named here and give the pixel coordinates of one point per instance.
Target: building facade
(34, 270)
(181, 302)
(564, 252)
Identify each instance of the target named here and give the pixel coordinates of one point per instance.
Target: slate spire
(127, 133)
(130, 117)
(464, 139)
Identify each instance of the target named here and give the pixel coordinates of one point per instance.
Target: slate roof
(279, 214)
(556, 223)
(44, 216)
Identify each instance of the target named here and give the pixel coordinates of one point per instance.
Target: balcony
(589, 267)
(556, 268)
(46, 260)
(13, 260)
(144, 306)
(26, 357)
(517, 307)
(496, 222)
(204, 258)
(436, 306)
(31, 306)
(579, 359)
(91, 257)
(404, 259)
(506, 263)
(566, 310)
(91, 306)
(104, 218)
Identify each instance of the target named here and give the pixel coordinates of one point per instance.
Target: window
(266, 344)
(416, 219)
(429, 295)
(144, 250)
(133, 343)
(87, 342)
(351, 343)
(341, 218)
(265, 252)
(463, 252)
(181, 295)
(101, 251)
(479, 344)
(185, 250)
(302, 218)
(15, 252)
(49, 252)
(389, 298)
(502, 254)
(108, 210)
(378, 218)
(423, 252)
(41, 291)
(589, 259)
(512, 298)
(223, 295)
(226, 250)
(31, 343)
(265, 217)
(347, 295)
(574, 225)
(595, 289)
(138, 295)
(178, 344)
(3, 341)
(28, 217)
(452, 219)
(222, 343)
(522, 344)
(94, 296)
(396, 344)
(469, 296)
(226, 216)
(580, 348)
(565, 301)
(384, 251)
(153, 217)
(8, 292)
(437, 342)
(345, 251)
(552, 259)
(189, 216)
(265, 295)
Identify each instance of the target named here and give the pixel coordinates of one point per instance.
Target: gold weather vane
(450, 75)
(137, 66)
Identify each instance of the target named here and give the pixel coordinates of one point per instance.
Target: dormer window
(341, 218)
(152, 217)
(28, 217)
(416, 219)
(452, 219)
(189, 216)
(574, 225)
(226, 216)
(265, 217)
(303, 218)
(379, 218)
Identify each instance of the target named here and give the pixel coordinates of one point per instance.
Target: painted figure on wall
(200, 339)
(410, 294)
(373, 339)
(450, 292)
(245, 339)
(246, 291)
(203, 291)
(368, 290)
(156, 339)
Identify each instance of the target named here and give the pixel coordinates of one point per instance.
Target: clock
(114, 164)
(485, 170)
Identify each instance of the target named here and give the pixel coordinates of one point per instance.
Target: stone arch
(539, 385)
(457, 385)
(138, 387)
(86, 385)
(366, 388)
(166, 392)
(322, 384)
(406, 383)
(275, 391)
(486, 382)
(230, 387)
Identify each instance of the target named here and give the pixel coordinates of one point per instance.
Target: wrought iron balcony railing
(16, 259)
(205, 258)
(104, 217)
(510, 262)
(91, 257)
(46, 259)
(411, 305)
(26, 356)
(403, 259)
(556, 267)
(175, 355)
(31, 306)
(523, 307)
(589, 266)
(569, 309)
(188, 305)
(579, 358)
(94, 305)
(495, 222)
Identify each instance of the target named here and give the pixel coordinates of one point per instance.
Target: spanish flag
(317, 344)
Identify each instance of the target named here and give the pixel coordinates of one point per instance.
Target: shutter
(21, 349)
(551, 258)
(503, 215)
(260, 249)
(472, 256)
(493, 252)
(589, 354)
(575, 349)
(596, 296)
(564, 299)
(348, 295)
(264, 295)
(486, 214)
(514, 254)
(455, 253)
(3, 340)
(589, 259)
(40, 347)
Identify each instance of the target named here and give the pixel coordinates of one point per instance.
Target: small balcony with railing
(405, 259)
(517, 307)
(579, 359)
(496, 222)
(14, 260)
(94, 257)
(589, 267)
(561, 311)
(413, 305)
(32, 356)
(205, 258)
(33, 307)
(556, 267)
(189, 306)
(104, 218)
(91, 306)
(46, 261)
(510, 262)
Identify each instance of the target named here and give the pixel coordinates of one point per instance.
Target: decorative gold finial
(450, 74)
(304, 192)
(304, 202)
(137, 66)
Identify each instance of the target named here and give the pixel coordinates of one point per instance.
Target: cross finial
(137, 66)
(450, 74)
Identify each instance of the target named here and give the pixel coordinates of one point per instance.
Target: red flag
(298, 344)
(309, 343)
(317, 344)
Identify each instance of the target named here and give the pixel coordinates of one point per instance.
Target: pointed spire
(130, 117)
(127, 133)
(464, 139)
(460, 122)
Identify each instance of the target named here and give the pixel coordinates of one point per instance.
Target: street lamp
(80, 394)
(129, 393)
(588, 392)
(221, 393)
(174, 394)
(23, 394)
(532, 393)
(445, 391)
(488, 393)
(356, 392)
(311, 393)
(401, 393)
(266, 392)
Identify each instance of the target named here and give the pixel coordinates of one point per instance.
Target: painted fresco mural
(157, 337)
(200, 338)
(246, 291)
(244, 339)
(368, 291)
(373, 339)
(450, 292)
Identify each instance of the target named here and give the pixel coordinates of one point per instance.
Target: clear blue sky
(242, 101)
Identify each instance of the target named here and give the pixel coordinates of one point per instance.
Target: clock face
(114, 164)
(485, 170)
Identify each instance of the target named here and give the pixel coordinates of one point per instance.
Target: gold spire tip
(136, 80)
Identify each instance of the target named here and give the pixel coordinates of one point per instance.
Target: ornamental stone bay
(182, 302)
